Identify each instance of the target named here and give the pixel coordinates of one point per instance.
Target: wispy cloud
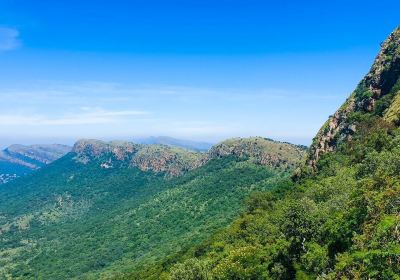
(113, 110)
(49, 91)
(85, 116)
(9, 39)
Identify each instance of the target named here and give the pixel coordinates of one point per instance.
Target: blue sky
(200, 70)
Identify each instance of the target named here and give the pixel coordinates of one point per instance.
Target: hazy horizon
(4, 143)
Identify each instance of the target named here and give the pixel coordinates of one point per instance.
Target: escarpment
(376, 94)
(175, 161)
(156, 158)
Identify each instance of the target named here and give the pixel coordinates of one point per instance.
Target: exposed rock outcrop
(157, 158)
(174, 161)
(87, 149)
(160, 158)
(378, 83)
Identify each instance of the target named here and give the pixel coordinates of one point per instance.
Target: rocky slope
(17, 160)
(377, 94)
(158, 158)
(175, 161)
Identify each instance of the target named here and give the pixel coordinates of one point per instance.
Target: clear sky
(200, 70)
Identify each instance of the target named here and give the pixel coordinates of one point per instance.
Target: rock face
(174, 161)
(88, 149)
(157, 158)
(374, 95)
(160, 158)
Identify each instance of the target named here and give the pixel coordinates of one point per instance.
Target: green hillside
(341, 223)
(107, 209)
(340, 219)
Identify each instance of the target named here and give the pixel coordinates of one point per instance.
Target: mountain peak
(376, 95)
(385, 71)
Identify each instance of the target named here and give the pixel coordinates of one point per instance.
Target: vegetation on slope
(97, 213)
(262, 151)
(339, 219)
(341, 223)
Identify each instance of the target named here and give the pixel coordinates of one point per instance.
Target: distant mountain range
(17, 160)
(174, 142)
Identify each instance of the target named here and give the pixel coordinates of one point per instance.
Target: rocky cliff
(377, 95)
(174, 161)
(158, 158)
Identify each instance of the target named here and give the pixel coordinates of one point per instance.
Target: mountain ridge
(17, 160)
(372, 96)
(175, 160)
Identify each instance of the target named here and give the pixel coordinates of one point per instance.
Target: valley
(113, 207)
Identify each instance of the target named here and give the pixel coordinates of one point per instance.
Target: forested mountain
(18, 160)
(339, 219)
(107, 209)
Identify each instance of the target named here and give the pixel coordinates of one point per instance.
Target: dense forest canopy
(109, 208)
